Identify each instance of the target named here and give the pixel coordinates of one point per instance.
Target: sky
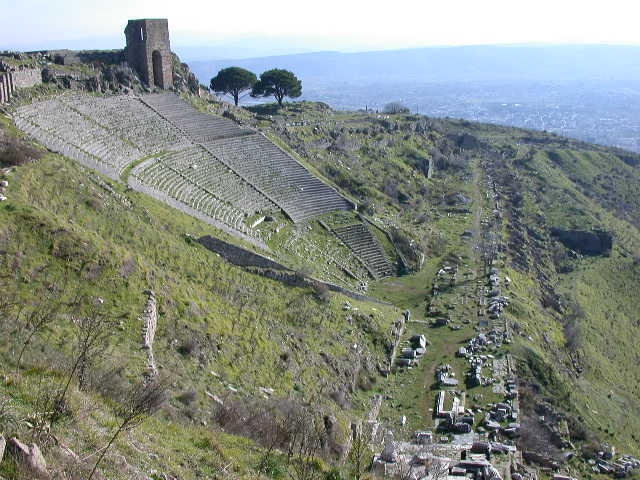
(261, 27)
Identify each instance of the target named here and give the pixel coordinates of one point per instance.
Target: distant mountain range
(591, 92)
(558, 63)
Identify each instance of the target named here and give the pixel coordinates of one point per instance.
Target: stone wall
(76, 57)
(26, 78)
(296, 279)
(237, 255)
(4, 87)
(266, 267)
(10, 80)
(135, 184)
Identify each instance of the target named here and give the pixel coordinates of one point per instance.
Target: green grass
(60, 227)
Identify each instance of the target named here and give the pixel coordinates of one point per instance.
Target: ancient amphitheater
(205, 165)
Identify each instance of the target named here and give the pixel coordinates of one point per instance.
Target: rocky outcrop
(595, 242)
(29, 458)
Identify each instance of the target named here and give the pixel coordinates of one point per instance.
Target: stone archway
(158, 78)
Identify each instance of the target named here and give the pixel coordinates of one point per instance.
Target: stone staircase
(366, 247)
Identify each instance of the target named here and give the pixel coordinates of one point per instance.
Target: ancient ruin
(12, 79)
(148, 51)
(207, 166)
(365, 246)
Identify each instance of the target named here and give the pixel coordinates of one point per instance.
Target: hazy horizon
(242, 51)
(255, 31)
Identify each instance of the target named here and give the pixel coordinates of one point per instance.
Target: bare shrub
(360, 455)
(128, 267)
(572, 326)
(108, 380)
(275, 424)
(92, 330)
(140, 402)
(187, 397)
(8, 416)
(321, 291)
(187, 347)
(36, 320)
(14, 151)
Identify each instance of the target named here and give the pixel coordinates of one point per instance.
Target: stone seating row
(158, 176)
(131, 119)
(199, 167)
(196, 125)
(280, 177)
(364, 244)
(54, 119)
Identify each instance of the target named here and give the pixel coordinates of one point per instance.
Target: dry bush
(276, 423)
(128, 268)
(187, 397)
(187, 346)
(14, 151)
(321, 291)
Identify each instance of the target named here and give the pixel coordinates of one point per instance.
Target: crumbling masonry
(10, 80)
(148, 51)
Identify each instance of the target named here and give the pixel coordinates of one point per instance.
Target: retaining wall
(13, 79)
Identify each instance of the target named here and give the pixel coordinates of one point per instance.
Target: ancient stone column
(11, 83)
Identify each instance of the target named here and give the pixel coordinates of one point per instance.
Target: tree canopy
(279, 83)
(395, 107)
(233, 81)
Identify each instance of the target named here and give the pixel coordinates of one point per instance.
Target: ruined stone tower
(148, 51)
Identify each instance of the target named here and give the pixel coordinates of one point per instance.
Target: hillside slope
(246, 360)
(574, 312)
(73, 242)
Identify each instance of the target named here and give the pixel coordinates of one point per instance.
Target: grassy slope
(61, 228)
(605, 288)
(577, 187)
(565, 184)
(565, 188)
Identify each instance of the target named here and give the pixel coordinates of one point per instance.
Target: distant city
(607, 116)
(591, 93)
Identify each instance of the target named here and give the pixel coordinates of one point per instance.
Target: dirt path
(478, 264)
(477, 267)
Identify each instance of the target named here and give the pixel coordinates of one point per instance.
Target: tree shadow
(264, 109)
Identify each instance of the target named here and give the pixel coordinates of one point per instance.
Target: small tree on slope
(279, 84)
(233, 81)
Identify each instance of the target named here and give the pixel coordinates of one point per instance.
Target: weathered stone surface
(29, 457)
(149, 52)
(238, 255)
(17, 448)
(389, 452)
(150, 321)
(3, 444)
(21, 78)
